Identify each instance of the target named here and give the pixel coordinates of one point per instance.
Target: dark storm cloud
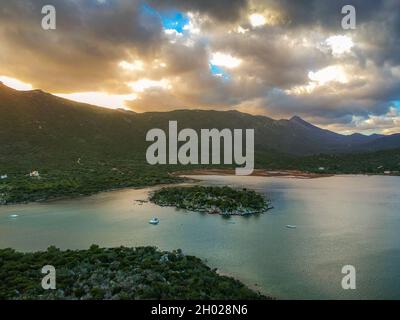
(326, 13)
(223, 10)
(377, 20)
(93, 37)
(90, 39)
(271, 58)
(374, 95)
(115, 21)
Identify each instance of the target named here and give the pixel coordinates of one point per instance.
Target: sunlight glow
(193, 25)
(319, 78)
(101, 99)
(340, 44)
(257, 20)
(144, 84)
(241, 30)
(328, 74)
(15, 84)
(225, 60)
(136, 65)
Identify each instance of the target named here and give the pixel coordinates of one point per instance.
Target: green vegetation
(80, 149)
(78, 179)
(68, 178)
(379, 162)
(115, 273)
(214, 200)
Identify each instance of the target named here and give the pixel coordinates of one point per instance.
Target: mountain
(382, 142)
(37, 126)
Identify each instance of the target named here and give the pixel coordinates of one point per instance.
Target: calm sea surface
(342, 220)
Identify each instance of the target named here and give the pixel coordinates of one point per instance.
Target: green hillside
(80, 149)
(116, 274)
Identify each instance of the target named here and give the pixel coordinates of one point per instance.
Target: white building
(3, 176)
(34, 174)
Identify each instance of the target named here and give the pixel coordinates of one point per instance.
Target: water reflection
(340, 220)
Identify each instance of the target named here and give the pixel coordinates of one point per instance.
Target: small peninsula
(116, 274)
(213, 200)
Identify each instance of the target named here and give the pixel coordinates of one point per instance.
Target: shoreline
(225, 201)
(79, 196)
(295, 174)
(291, 174)
(111, 278)
(253, 286)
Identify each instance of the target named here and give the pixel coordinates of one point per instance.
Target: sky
(267, 57)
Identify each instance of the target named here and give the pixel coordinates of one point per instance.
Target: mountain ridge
(294, 119)
(35, 124)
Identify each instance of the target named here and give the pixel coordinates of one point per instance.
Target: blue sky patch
(170, 20)
(218, 71)
(174, 20)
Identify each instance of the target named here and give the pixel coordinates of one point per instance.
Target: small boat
(154, 221)
(290, 226)
(13, 216)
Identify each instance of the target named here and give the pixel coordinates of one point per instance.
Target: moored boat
(154, 221)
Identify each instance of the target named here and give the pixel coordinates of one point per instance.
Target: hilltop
(37, 127)
(79, 149)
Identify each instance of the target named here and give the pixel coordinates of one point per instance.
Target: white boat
(154, 221)
(290, 226)
(13, 215)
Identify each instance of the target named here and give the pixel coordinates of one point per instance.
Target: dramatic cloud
(223, 10)
(273, 57)
(83, 53)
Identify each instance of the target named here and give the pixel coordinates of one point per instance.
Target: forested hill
(39, 128)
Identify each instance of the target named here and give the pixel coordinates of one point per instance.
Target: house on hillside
(34, 174)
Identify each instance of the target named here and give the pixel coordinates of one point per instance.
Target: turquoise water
(342, 220)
